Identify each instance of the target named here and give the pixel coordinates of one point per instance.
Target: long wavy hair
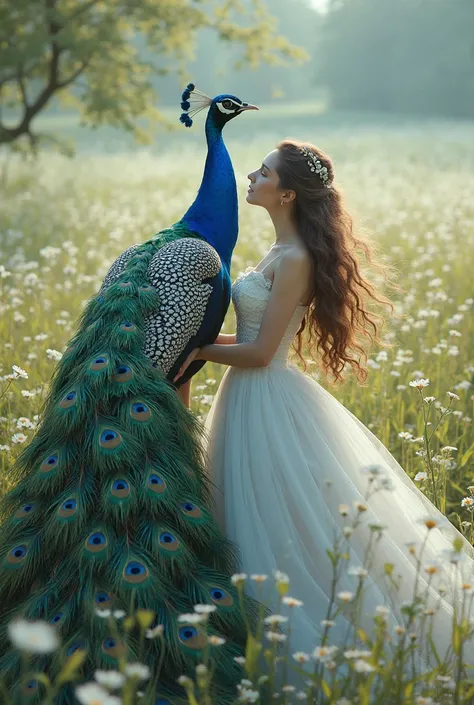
(338, 318)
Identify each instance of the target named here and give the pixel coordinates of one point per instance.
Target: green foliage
(100, 57)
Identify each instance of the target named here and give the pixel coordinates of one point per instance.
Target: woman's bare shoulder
(297, 256)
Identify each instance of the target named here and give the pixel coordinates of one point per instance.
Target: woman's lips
(250, 189)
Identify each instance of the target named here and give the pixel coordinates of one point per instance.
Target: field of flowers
(63, 222)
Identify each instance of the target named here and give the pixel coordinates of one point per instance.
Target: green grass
(63, 222)
(410, 188)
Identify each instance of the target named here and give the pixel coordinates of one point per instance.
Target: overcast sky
(318, 4)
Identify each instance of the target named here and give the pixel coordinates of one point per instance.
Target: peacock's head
(222, 108)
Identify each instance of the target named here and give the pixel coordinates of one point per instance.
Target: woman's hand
(194, 355)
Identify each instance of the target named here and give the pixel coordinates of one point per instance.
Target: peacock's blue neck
(214, 213)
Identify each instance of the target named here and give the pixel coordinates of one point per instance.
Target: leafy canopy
(103, 56)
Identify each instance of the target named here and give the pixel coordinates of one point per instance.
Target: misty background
(410, 57)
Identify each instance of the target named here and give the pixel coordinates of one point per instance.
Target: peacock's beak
(248, 106)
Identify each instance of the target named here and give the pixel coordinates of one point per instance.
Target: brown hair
(337, 316)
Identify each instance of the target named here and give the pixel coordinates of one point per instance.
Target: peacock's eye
(227, 104)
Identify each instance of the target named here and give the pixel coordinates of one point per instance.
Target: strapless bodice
(250, 294)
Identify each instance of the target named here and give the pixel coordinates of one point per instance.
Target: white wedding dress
(283, 455)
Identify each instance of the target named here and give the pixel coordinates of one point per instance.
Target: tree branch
(81, 10)
(21, 83)
(70, 79)
(10, 134)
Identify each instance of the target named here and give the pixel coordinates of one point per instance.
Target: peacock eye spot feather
(191, 510)
(168, 541)
(68, 508)
(49, 463)
(17, 554)
(120, 488)
(220, 597)
(163, 701)
(96, 542)
(113, 647)
(187, 632)
(123, 373)
(57, 618)
(25, 510)
(191, 637)
(102, 597)
(68, 400)
(110, 438)
(128, 326)
(140, 411)
(156, 483)
(100, 362)
(30, 688)
(135, 572)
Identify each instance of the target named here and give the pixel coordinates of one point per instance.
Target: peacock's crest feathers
(192, 102)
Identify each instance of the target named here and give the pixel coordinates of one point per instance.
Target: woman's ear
(289, 196)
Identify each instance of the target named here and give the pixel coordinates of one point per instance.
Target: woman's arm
(184, 393)
(225, 339)
(289, 286)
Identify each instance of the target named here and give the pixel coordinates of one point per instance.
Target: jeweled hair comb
(316, 166)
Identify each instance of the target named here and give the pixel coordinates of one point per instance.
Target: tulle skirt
(284, 455)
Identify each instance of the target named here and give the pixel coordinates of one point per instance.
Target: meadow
(410, 186)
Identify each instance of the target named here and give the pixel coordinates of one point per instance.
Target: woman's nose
(250, 177)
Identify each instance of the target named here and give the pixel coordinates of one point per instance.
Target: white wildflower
(92, 694)
(238, 578)
(137, 670)
(301, 656)
(362, 666)
(103, 613)
(109, 679)
(324, 653)
(419, 383)
(421, 477)
(156, 631)
(35, 637)
(275, 636)
(292, 601)
(190, 618)
(53, 354)
(205, 609)
(215, 640)
(345, 596)
(357, 571)
(275, 619)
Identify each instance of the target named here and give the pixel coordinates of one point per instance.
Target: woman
(285, 457)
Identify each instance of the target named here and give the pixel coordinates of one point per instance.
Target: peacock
(110, 506)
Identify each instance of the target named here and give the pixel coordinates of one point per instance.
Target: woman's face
(264, 189)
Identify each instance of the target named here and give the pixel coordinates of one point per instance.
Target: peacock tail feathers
(111, 508)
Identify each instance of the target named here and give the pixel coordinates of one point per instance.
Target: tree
(100, 56)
